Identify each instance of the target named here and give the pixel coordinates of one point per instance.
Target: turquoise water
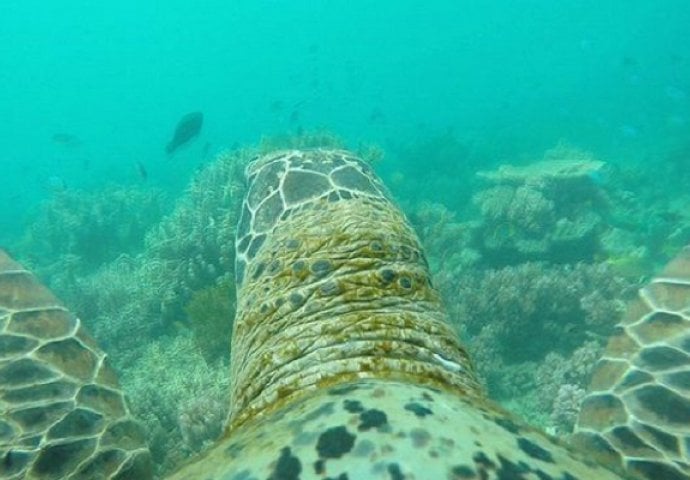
(534, 272)
(507, 78)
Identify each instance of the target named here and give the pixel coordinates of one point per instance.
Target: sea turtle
(343, 363)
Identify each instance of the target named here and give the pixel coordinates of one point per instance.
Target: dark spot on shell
(372, 418)
(511, 470)
(288, 466)
(508, 425)
(481, 459)
(405, 282)
(376, 246)
(353, 406)
(462, 472)
(342, 476)
(534, 450)
(319, 467)
(335, 442)
(395, 472)
(420, 437)
(419, 410)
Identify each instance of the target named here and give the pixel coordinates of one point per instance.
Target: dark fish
(276, 106)
(66, 140)
(187, 128)
(377, 116)
(141, 170)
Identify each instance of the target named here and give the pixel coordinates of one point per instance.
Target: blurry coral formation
(77, 230)
(210, 312)
(194, 246)
(531, 326)
(553, 209)
(182, 399)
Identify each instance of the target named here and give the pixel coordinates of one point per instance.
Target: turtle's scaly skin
(343, 364)
(638, 407)
(62, 414)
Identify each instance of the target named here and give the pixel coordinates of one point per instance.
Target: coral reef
(534, 327)
(551, 210)
(78, 230)
(446, 241)
(181, 399)
(194, 246)
(210, 314)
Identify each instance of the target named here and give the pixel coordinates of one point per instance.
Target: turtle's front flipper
(343, 363)
(638, 407)
(62, 413)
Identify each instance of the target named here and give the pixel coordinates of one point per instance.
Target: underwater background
(541, 149)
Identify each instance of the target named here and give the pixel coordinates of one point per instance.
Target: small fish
(187, 128)
(377, 116)
(66, 140)
(276, 106)
(141, 170)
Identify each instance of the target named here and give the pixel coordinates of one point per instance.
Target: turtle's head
(332, 286)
